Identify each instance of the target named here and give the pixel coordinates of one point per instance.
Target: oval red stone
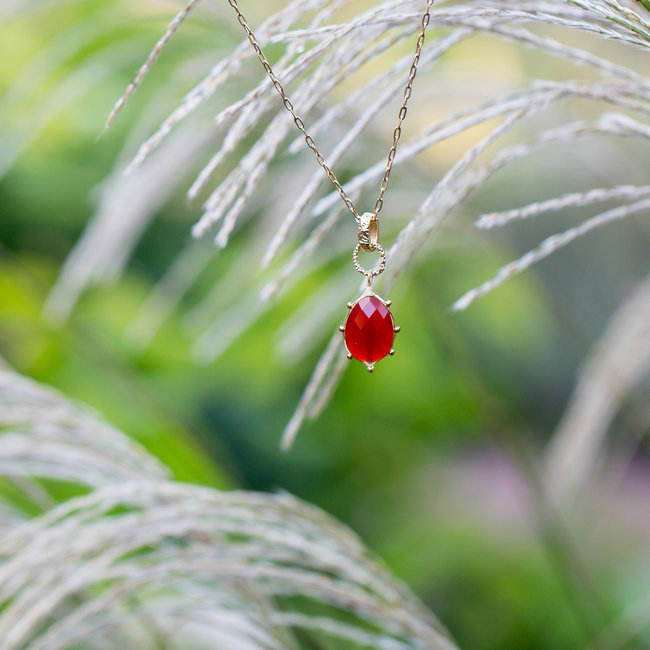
(369, 330)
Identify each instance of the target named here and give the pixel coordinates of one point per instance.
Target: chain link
(301, 126)
(369, 273)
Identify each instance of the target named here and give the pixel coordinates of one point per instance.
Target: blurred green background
(434, 459)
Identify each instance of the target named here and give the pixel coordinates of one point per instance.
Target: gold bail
(368, 231)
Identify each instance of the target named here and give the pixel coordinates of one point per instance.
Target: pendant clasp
(368, 232)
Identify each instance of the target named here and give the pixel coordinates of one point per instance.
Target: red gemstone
(369, 330)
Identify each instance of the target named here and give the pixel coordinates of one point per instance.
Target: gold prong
(350, 305)
(396, 329)
(349, 355)
(392, 352)
(388, 303)
(371, 367)
(341, 328)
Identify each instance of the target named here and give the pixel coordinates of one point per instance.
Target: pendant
(370, 329)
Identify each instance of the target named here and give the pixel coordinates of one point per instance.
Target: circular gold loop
(369, 273)
(368, 232)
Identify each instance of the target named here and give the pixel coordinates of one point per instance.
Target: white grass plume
(137, 554)
(151, 59)
(42, 434)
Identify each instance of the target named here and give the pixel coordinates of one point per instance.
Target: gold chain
(301, 126)
(402, 111)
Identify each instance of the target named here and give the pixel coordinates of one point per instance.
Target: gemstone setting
(370, 329)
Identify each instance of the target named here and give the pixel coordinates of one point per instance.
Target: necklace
(369, 331)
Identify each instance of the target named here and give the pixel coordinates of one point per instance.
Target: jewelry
(370, 329)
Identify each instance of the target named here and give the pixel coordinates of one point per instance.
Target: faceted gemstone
(369, 330)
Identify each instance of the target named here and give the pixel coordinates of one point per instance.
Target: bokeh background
(437, 459)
